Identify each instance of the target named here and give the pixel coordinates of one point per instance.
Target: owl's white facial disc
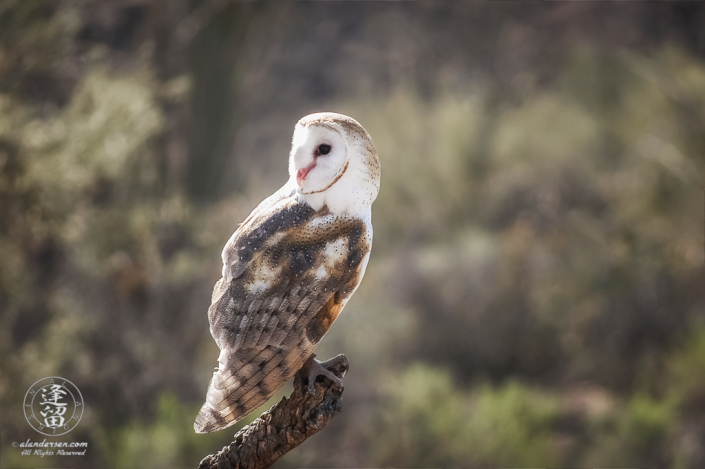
(319, 157)
(333, 163)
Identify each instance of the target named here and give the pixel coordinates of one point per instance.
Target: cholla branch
(285, 425)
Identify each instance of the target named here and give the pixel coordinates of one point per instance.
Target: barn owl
(291, 267)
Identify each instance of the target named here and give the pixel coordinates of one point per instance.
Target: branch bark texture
(285, 425)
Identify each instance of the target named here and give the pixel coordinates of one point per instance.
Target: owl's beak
(303, 172)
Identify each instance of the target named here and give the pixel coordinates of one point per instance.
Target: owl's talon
(333, 362)
(317, 368)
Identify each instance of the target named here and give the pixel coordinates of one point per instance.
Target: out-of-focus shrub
(430, 421)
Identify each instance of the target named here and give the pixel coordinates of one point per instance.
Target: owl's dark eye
(323, 148)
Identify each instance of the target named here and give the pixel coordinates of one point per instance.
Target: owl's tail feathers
(222, 408)
(244, 380)
(209, 420)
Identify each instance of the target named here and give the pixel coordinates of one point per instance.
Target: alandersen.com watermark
(53, 406)
(51, 448)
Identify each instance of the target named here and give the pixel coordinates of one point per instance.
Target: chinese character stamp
(53, 406)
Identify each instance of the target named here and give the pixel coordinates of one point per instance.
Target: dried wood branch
(285, 425)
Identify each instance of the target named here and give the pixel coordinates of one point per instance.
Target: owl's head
(333, 162)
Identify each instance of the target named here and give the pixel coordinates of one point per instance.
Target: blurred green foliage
(165, 441)
(508, 425)
(534, 297)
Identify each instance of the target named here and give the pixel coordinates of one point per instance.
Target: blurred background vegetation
(535, 293)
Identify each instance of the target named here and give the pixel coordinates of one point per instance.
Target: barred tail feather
(245, 380)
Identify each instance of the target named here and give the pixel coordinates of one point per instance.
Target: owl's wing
(267, 218)
(289, 271)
